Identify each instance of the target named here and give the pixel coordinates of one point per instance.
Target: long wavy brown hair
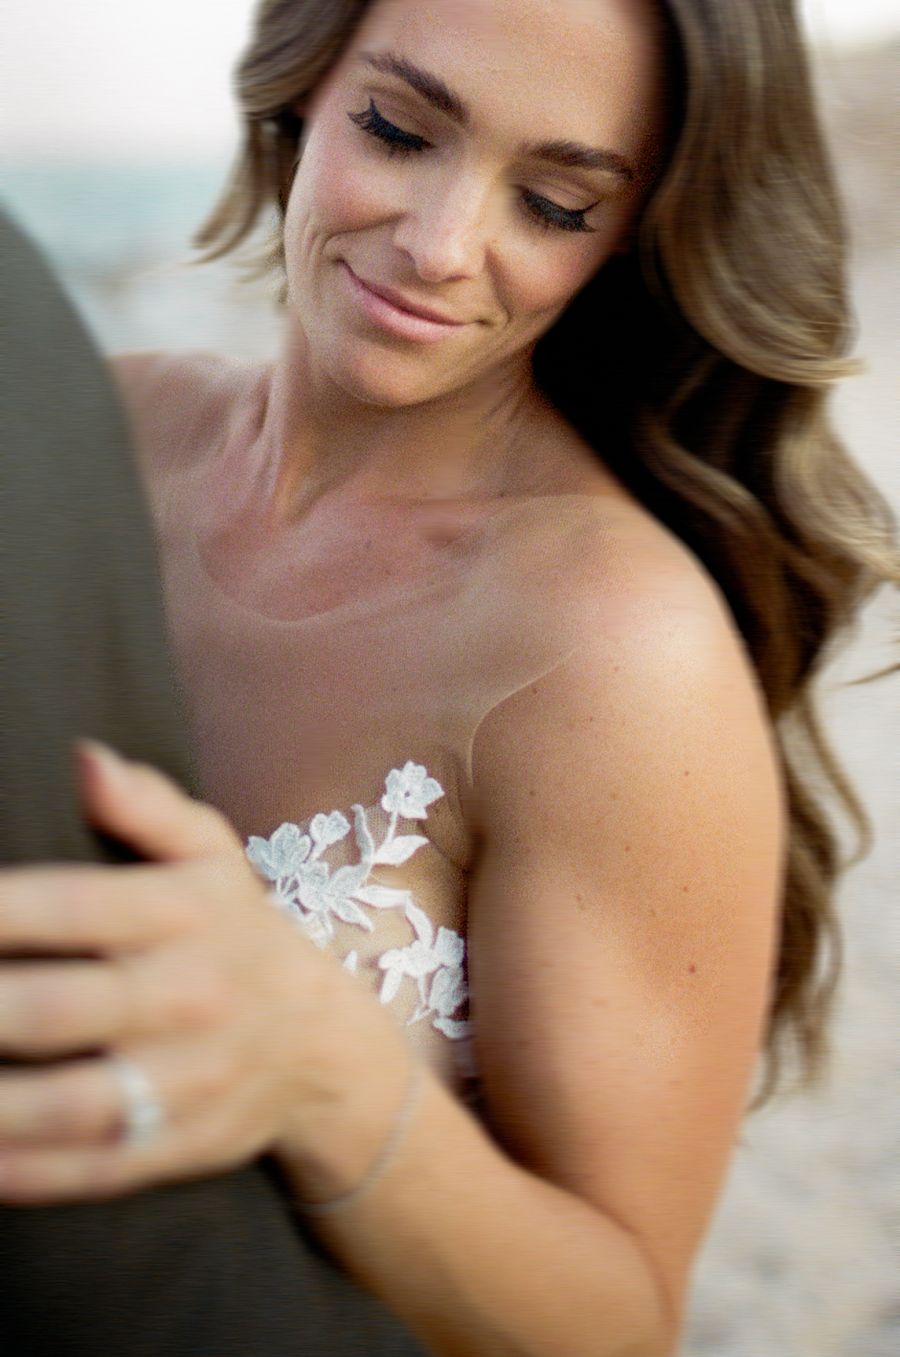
(732, 324)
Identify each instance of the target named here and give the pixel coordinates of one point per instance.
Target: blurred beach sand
(803, 1259)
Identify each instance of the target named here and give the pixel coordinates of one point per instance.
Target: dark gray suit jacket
(210, 1268)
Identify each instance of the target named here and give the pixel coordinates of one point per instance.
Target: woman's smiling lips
(397, 317)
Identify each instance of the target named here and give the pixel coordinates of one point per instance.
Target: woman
(489, 597)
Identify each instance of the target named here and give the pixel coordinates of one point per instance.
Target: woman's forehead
(583, 66)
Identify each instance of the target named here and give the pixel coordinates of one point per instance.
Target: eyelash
(541, 212)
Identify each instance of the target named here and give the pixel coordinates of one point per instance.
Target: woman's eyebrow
(431, 87)
(569, 154)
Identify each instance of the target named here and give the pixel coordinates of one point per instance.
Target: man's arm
(216, 1266)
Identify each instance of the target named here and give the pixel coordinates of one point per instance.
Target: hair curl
(732, 323)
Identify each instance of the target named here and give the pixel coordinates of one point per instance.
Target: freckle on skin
(692, 968)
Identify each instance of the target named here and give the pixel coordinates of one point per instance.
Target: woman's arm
(479, 1256)
(621, 924)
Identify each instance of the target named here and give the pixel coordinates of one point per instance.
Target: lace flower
(314, 895)
(409, 791)
(441, 958)
(305, 887)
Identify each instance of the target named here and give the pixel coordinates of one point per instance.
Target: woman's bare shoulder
(143, 373)
(618, 572)
(630, 567)
(581, 527)
(600, 548)
(176, 401)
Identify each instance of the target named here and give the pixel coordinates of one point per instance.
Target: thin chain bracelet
(414, 1091)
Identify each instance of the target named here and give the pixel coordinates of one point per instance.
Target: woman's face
(476, 159)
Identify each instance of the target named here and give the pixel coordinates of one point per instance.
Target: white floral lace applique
(314, 895)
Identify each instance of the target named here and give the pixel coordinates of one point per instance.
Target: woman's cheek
(347, 190)
(552, 276)
(348, 200)
(556, 275)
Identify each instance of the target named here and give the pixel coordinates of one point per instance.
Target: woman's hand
(245, 1029)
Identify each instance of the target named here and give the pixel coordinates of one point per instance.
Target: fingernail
(100, 755)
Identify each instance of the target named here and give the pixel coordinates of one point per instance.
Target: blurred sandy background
(803, 1257)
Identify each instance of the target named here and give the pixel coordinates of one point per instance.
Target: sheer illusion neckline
(441, 570)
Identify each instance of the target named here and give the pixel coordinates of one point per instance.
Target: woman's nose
(447, 235)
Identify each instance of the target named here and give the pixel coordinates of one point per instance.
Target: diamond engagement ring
(144, 1115)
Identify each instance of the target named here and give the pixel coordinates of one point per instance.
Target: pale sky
(145, 77)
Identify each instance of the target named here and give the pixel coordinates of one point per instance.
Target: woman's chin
(375, 378)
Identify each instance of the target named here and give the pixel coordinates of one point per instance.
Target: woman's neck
(314, 439)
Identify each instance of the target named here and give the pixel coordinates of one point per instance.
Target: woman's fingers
(82, 908)
(33, 1175)
(80, 1104)
(62, 1007)
(183, 961)
(141, 806)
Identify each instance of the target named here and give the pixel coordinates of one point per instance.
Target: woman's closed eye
(396, 140)
(540, 211)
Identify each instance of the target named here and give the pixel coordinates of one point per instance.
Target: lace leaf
(394, 851)
(421, 923)
(382, 897)
(390, 985)
(350, 913)
(364, 841)
(453, 1028)
(347, 880)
